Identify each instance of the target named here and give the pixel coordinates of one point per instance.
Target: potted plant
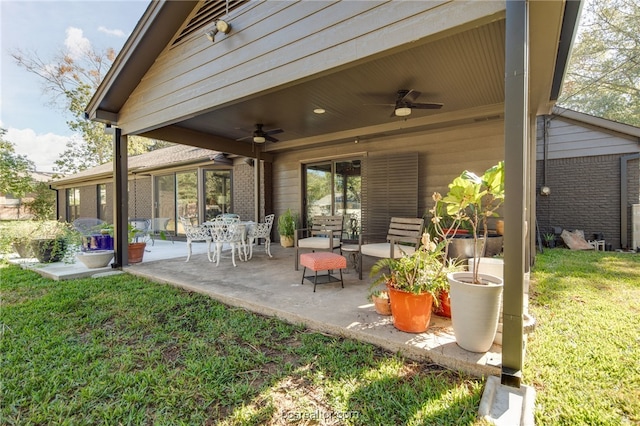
(287, 227)
(17, 235)
(381, 303)
(549, 239)
(475, 296)
(413, 282)
(135, 247)
(51, 240)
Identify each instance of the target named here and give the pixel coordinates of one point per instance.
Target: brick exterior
(243, 192)
(585, 195)
(88, 201)
(140, 197)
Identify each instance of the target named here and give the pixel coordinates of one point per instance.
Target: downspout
(624, 217)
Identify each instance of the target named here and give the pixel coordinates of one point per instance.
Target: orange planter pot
(444, 309)
(136, 252)
(411, 312)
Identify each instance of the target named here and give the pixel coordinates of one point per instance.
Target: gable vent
(206, 15)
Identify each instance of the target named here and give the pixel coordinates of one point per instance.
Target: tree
(70, 80)
(603, 78)
(15, 169)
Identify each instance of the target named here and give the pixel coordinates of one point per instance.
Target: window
(102, 201)
(73, 204)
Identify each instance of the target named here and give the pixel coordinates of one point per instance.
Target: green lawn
(584, 357)
(122, 350)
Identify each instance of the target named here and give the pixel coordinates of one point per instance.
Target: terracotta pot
(136, 252)
(382, 305)
(411, 312)
(444, 308)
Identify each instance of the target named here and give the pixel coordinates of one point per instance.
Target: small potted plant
(381, 303)
(135, 247)
(414, 282)
(287, 227)
(549, 239)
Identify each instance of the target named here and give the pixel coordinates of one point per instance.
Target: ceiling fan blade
(409, 96)
(431, 105)
(273, 131)
(270, 138)
(244, 138)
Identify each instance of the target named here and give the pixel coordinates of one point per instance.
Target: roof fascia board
(139, 39)
(570, 22)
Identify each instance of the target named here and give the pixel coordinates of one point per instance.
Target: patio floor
(272, 287)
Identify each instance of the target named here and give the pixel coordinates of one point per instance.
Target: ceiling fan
(261, 136)
(406, 101)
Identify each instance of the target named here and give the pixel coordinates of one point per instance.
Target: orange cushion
(323, 261)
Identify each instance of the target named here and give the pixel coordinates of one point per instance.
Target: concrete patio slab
(271, 286)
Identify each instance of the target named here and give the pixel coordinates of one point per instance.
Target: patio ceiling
(465, 72)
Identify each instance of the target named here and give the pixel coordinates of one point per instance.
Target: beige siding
(443, 155)
(197, 75)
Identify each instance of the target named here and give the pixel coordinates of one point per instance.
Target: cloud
(76, 43)
(116, 33)
(43, 150)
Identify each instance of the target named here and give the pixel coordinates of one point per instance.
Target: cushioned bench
(322, 261)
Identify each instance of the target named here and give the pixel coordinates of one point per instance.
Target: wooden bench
(322, 261)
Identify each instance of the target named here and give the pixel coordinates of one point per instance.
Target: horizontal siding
(257, 56)
(442, 155)
(568, 139)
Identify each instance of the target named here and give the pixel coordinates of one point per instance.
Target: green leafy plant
(287, 223)
(549, 237)
(471, 200)
(424, 271)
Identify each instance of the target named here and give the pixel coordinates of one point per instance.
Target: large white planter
(489, 265)
(96, 258)
(475, 310)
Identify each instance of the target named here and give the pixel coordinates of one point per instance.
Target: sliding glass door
(217, 193)
(334, 188)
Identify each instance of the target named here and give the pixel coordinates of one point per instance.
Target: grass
(583, 358)
(123, 350)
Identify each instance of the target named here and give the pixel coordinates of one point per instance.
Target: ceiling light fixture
(319, 111)
(220, 27)
(403, 111)
(259, 139)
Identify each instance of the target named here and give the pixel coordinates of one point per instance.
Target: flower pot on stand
(411, 312)
(136, 252)
(475, 309)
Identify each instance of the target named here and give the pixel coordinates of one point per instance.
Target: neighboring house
(176, 181)
(590, 169)
(336, 77)
(12, 208)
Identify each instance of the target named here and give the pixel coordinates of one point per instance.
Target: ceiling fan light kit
(402, 111)
(259, 139)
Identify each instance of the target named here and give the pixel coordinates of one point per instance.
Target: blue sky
(37, 129)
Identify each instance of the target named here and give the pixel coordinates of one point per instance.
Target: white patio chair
(261, 230)
(141, 228)
(196, 233)
(230, 231)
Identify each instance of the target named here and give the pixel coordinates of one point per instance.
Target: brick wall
(88, 201)
(585, 195)
(140, 198)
